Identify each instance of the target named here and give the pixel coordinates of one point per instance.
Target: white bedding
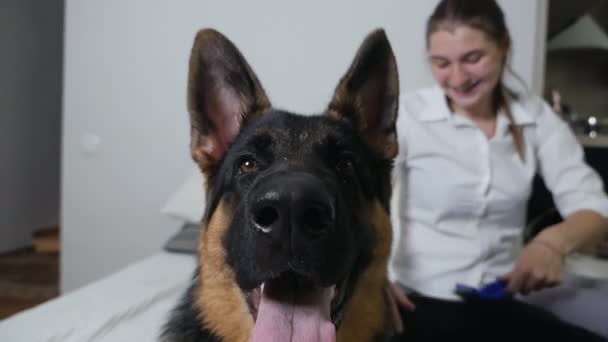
(130, 305)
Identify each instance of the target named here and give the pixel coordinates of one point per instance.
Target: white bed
(130, 305)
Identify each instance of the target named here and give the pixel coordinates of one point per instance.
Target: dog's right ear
(223, 93)
(368, 94)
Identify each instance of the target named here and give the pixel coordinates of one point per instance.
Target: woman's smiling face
(467, 64)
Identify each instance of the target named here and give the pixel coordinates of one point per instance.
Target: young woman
(469, 148)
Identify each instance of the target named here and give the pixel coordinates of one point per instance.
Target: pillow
(188, 201)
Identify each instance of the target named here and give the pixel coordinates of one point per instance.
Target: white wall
(30, 118)
(527, 22)
(125, 77)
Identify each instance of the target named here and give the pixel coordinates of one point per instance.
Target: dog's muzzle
(293, 213)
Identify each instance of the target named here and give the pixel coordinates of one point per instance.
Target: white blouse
(460, 199)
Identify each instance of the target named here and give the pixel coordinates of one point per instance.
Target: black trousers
(513, 320)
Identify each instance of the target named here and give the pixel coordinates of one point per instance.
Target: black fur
(346, 253)
(326, 144)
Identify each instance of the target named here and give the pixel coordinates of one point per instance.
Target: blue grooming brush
(494, 291)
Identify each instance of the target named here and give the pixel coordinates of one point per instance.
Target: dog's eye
(345, 163)
(248, 165)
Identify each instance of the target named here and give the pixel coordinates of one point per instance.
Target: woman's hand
(541, 262)
(397, 299)
(538, 266)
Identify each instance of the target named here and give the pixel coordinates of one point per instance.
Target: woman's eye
(440, 63)
(473, 58)
(248, 165)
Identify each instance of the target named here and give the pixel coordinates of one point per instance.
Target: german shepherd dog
(296, 234)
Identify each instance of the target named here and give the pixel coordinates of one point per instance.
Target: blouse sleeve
(573, 183)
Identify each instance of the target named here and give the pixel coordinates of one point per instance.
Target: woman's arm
(541, 262)
(579, 197)
(582, 230)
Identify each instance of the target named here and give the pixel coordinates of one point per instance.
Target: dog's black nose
(296, 203)
(268, 212)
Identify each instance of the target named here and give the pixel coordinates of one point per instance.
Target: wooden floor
(27, 279)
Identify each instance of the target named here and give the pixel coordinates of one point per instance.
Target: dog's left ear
(368, 94)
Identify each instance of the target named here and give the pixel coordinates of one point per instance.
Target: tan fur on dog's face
(223, 307)
(366, 312)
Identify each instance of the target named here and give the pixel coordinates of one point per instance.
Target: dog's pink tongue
(284, 316)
